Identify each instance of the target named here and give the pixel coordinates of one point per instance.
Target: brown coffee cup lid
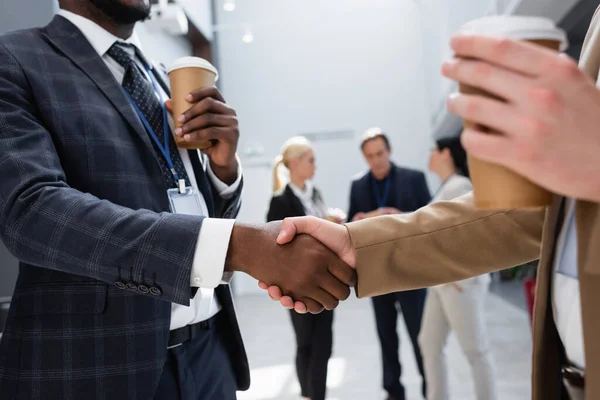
(516, 27)
(193, 62)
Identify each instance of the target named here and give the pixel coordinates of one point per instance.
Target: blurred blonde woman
(299, 197)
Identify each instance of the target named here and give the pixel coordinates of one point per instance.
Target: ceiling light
(248, 35)
(229, 5)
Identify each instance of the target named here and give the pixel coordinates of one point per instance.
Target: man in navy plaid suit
(121, 293)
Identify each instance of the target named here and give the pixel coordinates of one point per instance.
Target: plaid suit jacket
(83, 206)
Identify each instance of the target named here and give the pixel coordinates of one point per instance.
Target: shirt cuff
(211, 252)
(223, 189)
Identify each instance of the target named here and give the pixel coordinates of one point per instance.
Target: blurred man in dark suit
(383, 190)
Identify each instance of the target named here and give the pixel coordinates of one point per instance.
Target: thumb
(290, 227)
(287, 232)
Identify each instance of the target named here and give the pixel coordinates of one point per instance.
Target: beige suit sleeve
(441, 243)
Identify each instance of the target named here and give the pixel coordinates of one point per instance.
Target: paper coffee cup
(186, 75)
(494, 186)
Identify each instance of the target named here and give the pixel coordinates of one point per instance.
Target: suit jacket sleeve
(441, 243)
(47, 223)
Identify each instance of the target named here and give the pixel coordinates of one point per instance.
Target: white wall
(201, 14)
(160, 47)
(22, 14)
(319, 66)
(326, 66)
(440, 19)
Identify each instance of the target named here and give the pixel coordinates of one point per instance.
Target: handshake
(306, 259)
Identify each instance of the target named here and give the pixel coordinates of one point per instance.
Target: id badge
(184, 203)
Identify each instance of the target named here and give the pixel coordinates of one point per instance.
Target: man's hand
(210, 119)
(304, 269)
(336, 237)
(549, 120)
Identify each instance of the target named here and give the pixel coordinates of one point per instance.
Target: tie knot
(122, 53)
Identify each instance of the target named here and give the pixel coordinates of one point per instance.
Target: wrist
(243, 240)
(226, 173)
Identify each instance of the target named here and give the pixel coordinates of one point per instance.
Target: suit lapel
(67, 39)
(546, 342)
(547, 348)
(295, 202)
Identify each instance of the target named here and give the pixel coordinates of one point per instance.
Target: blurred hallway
(355, 371)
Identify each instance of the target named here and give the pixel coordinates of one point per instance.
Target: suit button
(155, 291)
(120, 285)
(132, 286)
(143, 288)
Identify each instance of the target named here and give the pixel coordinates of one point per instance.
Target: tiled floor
(355, 372)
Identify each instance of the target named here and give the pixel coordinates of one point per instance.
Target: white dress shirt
(566, 299)
(213, 241)
(566, 296)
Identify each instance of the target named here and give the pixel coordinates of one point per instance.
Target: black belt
(574, 380)
(189, 332)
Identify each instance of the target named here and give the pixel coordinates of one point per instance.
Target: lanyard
(165, 150)
(381, 200)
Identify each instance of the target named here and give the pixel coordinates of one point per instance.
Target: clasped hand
(334, 236)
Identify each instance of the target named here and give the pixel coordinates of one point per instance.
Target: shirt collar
(100, 39)
(390, 174)
(305, 194)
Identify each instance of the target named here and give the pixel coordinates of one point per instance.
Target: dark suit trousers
(199, 369)
(411, 305)
(314, 338)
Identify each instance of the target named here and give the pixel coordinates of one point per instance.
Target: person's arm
(441, 243)
(47, 223)
(444, 242)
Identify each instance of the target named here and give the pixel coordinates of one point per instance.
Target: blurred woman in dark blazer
(314, 335)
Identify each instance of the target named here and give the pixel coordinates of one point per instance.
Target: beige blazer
(451, 241)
